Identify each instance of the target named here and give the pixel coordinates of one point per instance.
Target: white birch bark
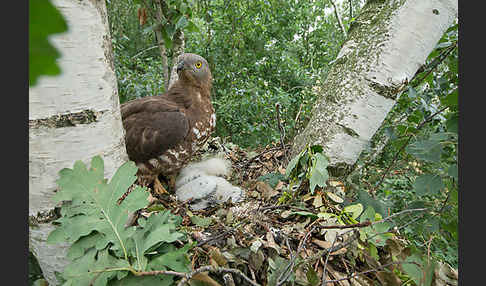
(73, 116)
(386, 45)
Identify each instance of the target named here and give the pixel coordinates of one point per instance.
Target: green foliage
(428, 184)
(263, 52)
(35, 273)
(201, 221)
(176, 15)
(138, 63)
(277, 268)
(138, 77)
(44, 20)
(272, 179)
(310, 164)
(260, 53)
(419, 268)
(378, 233)
(138, 66)
(103, 249)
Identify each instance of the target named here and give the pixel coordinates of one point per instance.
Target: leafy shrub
(104, 251)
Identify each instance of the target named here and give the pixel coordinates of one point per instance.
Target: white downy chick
(201, 182)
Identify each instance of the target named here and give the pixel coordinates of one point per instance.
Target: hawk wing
(152, 126)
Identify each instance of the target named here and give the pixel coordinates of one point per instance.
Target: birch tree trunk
(73, 116)
(387, 43)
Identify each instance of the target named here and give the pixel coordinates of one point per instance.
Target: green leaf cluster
(103, 249)
(272, 179)
(311, 164)
(378, 233)
(176, 15)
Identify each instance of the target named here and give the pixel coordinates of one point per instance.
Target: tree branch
(217, 270)
(325, 263)
(368, 271)
(281, 131)
(143, 51)
(435, 63)
(336, 12)
(395, 157)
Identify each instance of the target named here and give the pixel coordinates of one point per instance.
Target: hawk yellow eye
(198, 65)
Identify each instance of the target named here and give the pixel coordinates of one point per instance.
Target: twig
(302, 243)
(223, 234)
(435, 63)
(410, 222)
(325, 263)
(395, 157)
(345, 266)
(369, 271)
(273, 207)
(286, 272)
(445, 202)
(293, 257)
(188, 276)
(361, 224)
(216, 237)
(337, 247)
(391, 216)
(143, 51)
(281, 130)
(298, 112)
(336, 12)
(279, 207)
(160, 272)
(259, 155)
(397, 214)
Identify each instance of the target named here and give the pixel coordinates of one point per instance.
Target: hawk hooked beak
(180, 66)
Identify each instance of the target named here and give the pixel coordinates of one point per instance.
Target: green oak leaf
(428, 150)
(172, 258)
(428, 184)
(93, 264)
(318, 174)
(453, 171)
(93, 203)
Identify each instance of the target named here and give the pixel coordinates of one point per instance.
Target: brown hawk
(163, 132)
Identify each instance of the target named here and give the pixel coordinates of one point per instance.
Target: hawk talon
(159, 188)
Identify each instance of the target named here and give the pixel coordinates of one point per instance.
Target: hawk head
(194, 68)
